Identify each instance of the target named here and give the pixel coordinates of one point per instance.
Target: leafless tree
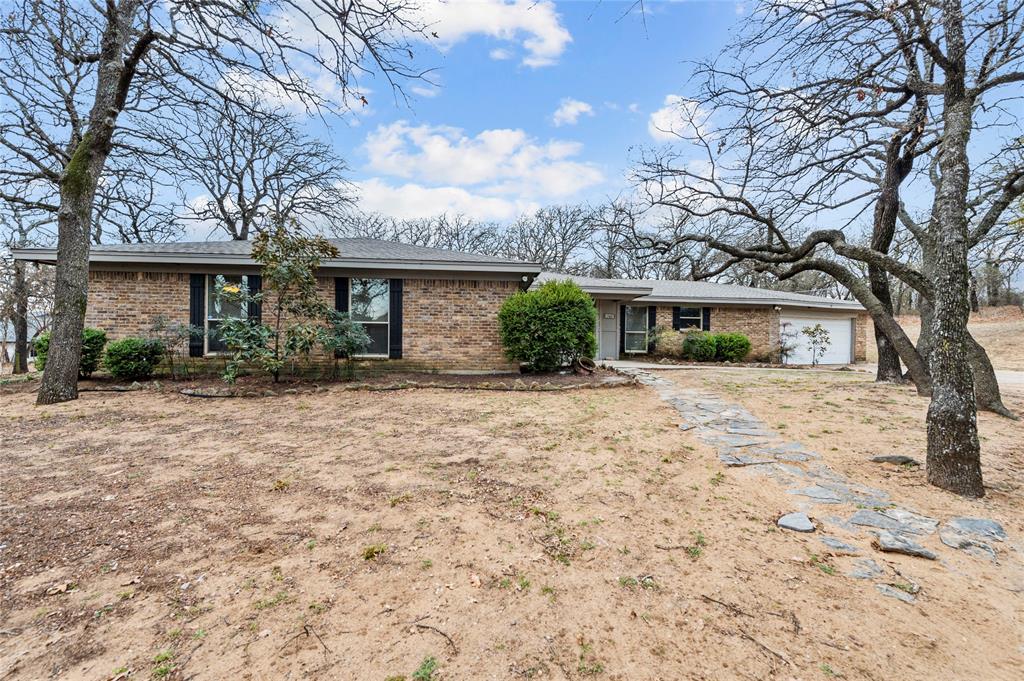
(551, 236)
(25, 291)
(253, 162)
(449, 231)
(121, 64)
(821, 113)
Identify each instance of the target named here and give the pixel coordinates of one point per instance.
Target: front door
(608, 329)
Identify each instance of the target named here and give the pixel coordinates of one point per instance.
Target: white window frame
(387, 324)
(627, 332)
(699, 318)
(210, 278)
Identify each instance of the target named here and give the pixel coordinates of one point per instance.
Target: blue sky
(537, 103)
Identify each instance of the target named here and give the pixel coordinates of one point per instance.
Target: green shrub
(699, 346)
(550, 326)
(667, 343)
(93, 341)
(731, 347)
(133, 359)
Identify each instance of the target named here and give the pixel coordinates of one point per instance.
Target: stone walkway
(743, 441)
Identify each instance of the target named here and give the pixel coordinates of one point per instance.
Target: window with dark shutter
(395, 314)
(196, 312)
(687, 318)
(706, 319)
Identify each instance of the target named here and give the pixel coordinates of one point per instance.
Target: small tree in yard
(289, 262)
(345, 339)
(819, 340)
(549, 327)
(174, 337)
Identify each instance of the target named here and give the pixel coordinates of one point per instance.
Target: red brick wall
(448, 324)
(759, 324)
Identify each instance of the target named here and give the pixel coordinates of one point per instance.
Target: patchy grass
(547, 535)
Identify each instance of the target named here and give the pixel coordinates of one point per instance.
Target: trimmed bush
(93, 341)
(699, 346)
(133, 359)
(731, 347)
(550, 326)
(667, 342)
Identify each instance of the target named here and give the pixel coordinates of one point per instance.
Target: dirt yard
(428, 534)
(999, 330)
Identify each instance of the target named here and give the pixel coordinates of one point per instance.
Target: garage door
(840, 335)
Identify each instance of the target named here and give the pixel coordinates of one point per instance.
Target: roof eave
(49, 255)
(826, 304)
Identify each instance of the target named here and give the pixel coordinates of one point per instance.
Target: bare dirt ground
(569, 535)
(1000, 331)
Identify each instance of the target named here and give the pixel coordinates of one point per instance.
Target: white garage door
(840, 336)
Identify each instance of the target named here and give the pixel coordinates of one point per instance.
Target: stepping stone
(893, 592)
(866, 568)
(896, 520)
(897, 459)
(798, 522)
(969, 535)
(742, 460)
(820, 494)
(838, 546)
(979, 527)
(891, 542)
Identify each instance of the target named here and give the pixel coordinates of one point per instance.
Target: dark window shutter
(652, 321)
(395, 319)
(675, 318)
(622, 330)
(706, 318)
(341, 294)
(340, 299)
(255, 282)
(196, 312)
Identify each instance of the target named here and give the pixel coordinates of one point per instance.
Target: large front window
(636, 329)
(370, 305)
(219, 308)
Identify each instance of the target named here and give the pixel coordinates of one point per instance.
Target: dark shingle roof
(353, 247)
(676, 291)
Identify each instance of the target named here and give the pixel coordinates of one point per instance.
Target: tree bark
(78, 183)
(986, 386)
(954, 453)
(20, 319)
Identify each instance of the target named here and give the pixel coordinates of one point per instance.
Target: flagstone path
(743, 441)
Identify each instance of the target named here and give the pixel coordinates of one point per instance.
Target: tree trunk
(79, 180)
(71, 285)
(954, 453)
(986, 386)
(20, 319)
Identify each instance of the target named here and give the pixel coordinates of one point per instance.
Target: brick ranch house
(429, 308)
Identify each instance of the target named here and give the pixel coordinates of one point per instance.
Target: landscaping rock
(970, 534)
(979, 527)
(893, 592)
(896, 520)
(897, 459)
(735, 460)
(866, 569)
(838, 546)
(797, 522)
(820, 494)
(890, 542)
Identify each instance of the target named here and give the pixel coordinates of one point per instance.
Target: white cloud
(634, 108)
(535, 25)
(500, 54)
(496, 161)
(569, 112)
(678, 118)
(412, 200)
